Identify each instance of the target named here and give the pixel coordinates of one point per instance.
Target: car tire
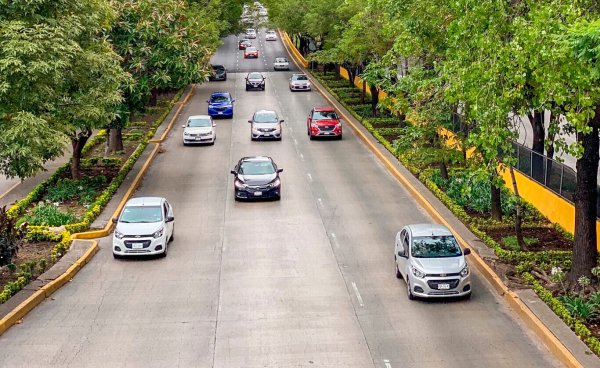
(164, 254)
(468, 296)
(247, 88)
(398, 273)
(339, 137)
(312, 137)
(116, 256)
(172, 235)
(408, 290)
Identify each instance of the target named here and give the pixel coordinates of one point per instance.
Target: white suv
(145, 227)
(431, 262)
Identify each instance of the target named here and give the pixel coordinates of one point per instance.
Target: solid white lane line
(360, 299)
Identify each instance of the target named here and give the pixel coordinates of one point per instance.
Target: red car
(250, 52)
(323, 122)
(244, 43)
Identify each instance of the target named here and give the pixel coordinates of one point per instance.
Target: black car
(256, 177)
(255, 80)
(219, 73)
(244, 43)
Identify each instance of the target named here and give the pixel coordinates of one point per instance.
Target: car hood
(197, 130)
(139, 228)
(299, 82)
(219, 104)
(326, 122)
(265, 125)
(255, 80)
(440, 265)
(257, 179)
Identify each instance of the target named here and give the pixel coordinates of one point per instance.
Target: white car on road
(145, 227)
(271, 36)
(250, 33)
(431, 262)
(281, 63)
(199, 129)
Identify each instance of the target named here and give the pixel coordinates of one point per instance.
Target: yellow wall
(297, 55)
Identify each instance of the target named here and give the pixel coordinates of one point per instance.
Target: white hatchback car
(199, 129)
(271, 36)
(281, 63)
(145, 227)
(250, 33)
(431, 262)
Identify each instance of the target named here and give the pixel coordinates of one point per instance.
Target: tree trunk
(153, 97)
(115, 141)
(78, 142)
(550, 149)
(519, 214)
(444, 170)
(374, 99)
(496, 202)
(107, 151)
(351, 75)
(337, 71)
(363, 92)
(584, 249)
(536, 118)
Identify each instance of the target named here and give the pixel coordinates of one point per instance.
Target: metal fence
(556, 176)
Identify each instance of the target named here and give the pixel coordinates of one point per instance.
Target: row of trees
(483, 62)
(69, 67)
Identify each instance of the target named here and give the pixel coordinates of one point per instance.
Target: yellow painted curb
(45, 291)
(555, 346)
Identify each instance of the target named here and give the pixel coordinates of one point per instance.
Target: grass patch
(510, 242)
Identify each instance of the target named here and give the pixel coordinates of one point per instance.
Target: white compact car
(199, 129)
(281, 63)
(431, 262)
(299, 82)
(145, 227)
(271, 36)
(250, 33)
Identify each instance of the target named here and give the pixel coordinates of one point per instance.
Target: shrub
(84, 189)
(48, 215)
(579, 307)
(511, 242)
(385, 122)
(10, 237)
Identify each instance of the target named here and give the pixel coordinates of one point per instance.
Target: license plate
(327, 133)
(220, 112)
(137, 245)
(257, 193)
(443, 286)
(198, 138)
(267, 134)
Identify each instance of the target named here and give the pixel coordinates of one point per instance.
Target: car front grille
(443, 274)
(266, 129)
(146, 243)
(327, 127)
(435, 283)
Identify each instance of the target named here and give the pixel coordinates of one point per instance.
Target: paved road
(307, 281)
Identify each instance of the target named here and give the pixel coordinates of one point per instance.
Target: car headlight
(158, 233)
(119, 235)
(417, 273)
(186, 133)
(275, 183)
(238, 184)
(465, 271)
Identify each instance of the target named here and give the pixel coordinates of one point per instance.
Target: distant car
(270, 36)
(250, 52)
(256, 177)
(265, 124)
(263, 12)
(220, 104)
(255, 80)
(431, 262)
(299, 82)
(219, 73)
(250, 33)
(323, 122)
(145, 227)
(244, 43)
(199, 129)
(281, 63)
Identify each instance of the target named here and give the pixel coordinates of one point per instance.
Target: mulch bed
(548, 237)
(28, 252)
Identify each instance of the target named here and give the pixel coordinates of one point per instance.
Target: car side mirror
(115, 220)
(400, 254)
(207, 101)
(170, 219)
(281, 121)
(214, 125)
(183, 126)
(233, 172)
(279, 170)
(467, 251)
(250, 121)
(233, 100)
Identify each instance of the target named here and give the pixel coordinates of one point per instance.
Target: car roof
(256, 158)
(324, 108)
(214, 94)
(144, 201)
(250, 48)
(428, 230)
(218, 66)
(251, 73)
(199, 117)
(265, 111)
(280, 57)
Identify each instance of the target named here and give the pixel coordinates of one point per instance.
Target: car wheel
(247, 88)
(408, 290)
(312, 137)
(398, 273)
(468, 296)
(339, 137)
(280, 137)
(185, 144)
(172, 235)
(116, 256)
(164, 253)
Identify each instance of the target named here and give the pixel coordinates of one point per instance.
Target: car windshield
(280, 60)
(300, 77)
(256, 168)
(218, 67)
(255, 76)
(435, 247)
(196, 123)
(318, 115)
(218, 99)
(265, 117)
(139, 214)
(251, 49)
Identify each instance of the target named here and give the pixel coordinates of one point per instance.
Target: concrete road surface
(307, 281)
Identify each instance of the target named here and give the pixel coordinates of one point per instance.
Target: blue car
(220, 105)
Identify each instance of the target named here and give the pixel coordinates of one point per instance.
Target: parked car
(255, 80)
(251, 52)
(199, 129)
(244, 43)
(219, 73)
(323, 122)
(299, 82)
(431, 262)
(256, 177)
(265, 124)
(281, 63)
(145, 227)
(220, 104)
(250, 33)
(271, 36)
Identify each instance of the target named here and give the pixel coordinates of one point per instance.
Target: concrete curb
(48, 289)
(554, 345)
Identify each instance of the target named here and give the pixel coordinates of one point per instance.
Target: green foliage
(579, 307)
(511, 242)
(10, 237)
(84, 189)
(48, 215)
